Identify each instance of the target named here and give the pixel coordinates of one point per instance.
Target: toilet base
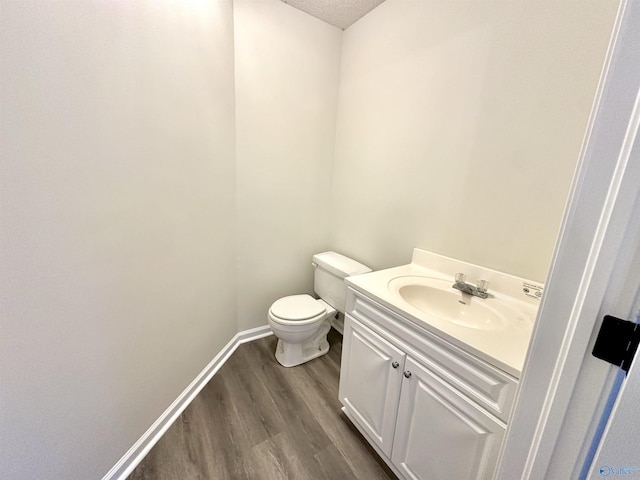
(292, 354)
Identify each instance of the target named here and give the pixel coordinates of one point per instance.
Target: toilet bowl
(301, 324)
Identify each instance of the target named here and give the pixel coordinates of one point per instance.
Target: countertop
(504, 348)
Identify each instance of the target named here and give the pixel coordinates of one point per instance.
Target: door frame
(597, 219)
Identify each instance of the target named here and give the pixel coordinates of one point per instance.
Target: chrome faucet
(480, 290)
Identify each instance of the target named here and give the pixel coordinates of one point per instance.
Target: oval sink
(437, 298)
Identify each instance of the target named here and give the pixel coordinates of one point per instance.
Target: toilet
(301, 322)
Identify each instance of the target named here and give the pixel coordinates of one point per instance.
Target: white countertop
(505, 348)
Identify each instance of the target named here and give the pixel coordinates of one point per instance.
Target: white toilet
(302, 322)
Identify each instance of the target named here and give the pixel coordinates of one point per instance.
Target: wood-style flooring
(258, 420)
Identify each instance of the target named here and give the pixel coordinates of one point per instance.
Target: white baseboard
(338, 324)
(139, 450)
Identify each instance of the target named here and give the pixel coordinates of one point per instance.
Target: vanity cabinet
(370, 379)
(430, 409)
(439, 433)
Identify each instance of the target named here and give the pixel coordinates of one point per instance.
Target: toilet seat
(297, 309)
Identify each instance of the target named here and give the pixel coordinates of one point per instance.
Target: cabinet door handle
(407, 373)
(395, 364)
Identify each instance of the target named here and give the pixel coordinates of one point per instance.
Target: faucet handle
(461, 278)
(482, 286)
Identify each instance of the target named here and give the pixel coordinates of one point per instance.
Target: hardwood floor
(258, 420)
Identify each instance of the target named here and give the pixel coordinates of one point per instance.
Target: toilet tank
(331, 268)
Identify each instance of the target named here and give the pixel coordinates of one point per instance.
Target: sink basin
(436, 298)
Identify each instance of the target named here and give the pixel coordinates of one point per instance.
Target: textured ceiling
(340, 13)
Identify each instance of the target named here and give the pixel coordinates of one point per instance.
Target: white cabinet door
(440, 435)
(370, 380)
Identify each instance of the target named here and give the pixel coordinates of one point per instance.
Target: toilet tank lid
(339, 265)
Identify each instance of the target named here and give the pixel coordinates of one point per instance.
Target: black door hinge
(617, 342)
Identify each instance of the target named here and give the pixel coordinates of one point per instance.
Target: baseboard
(338, 324)
(134, 456)
(252, 334)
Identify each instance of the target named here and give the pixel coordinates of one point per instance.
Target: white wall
(459, 127)
(117, 222)
(287, 68)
